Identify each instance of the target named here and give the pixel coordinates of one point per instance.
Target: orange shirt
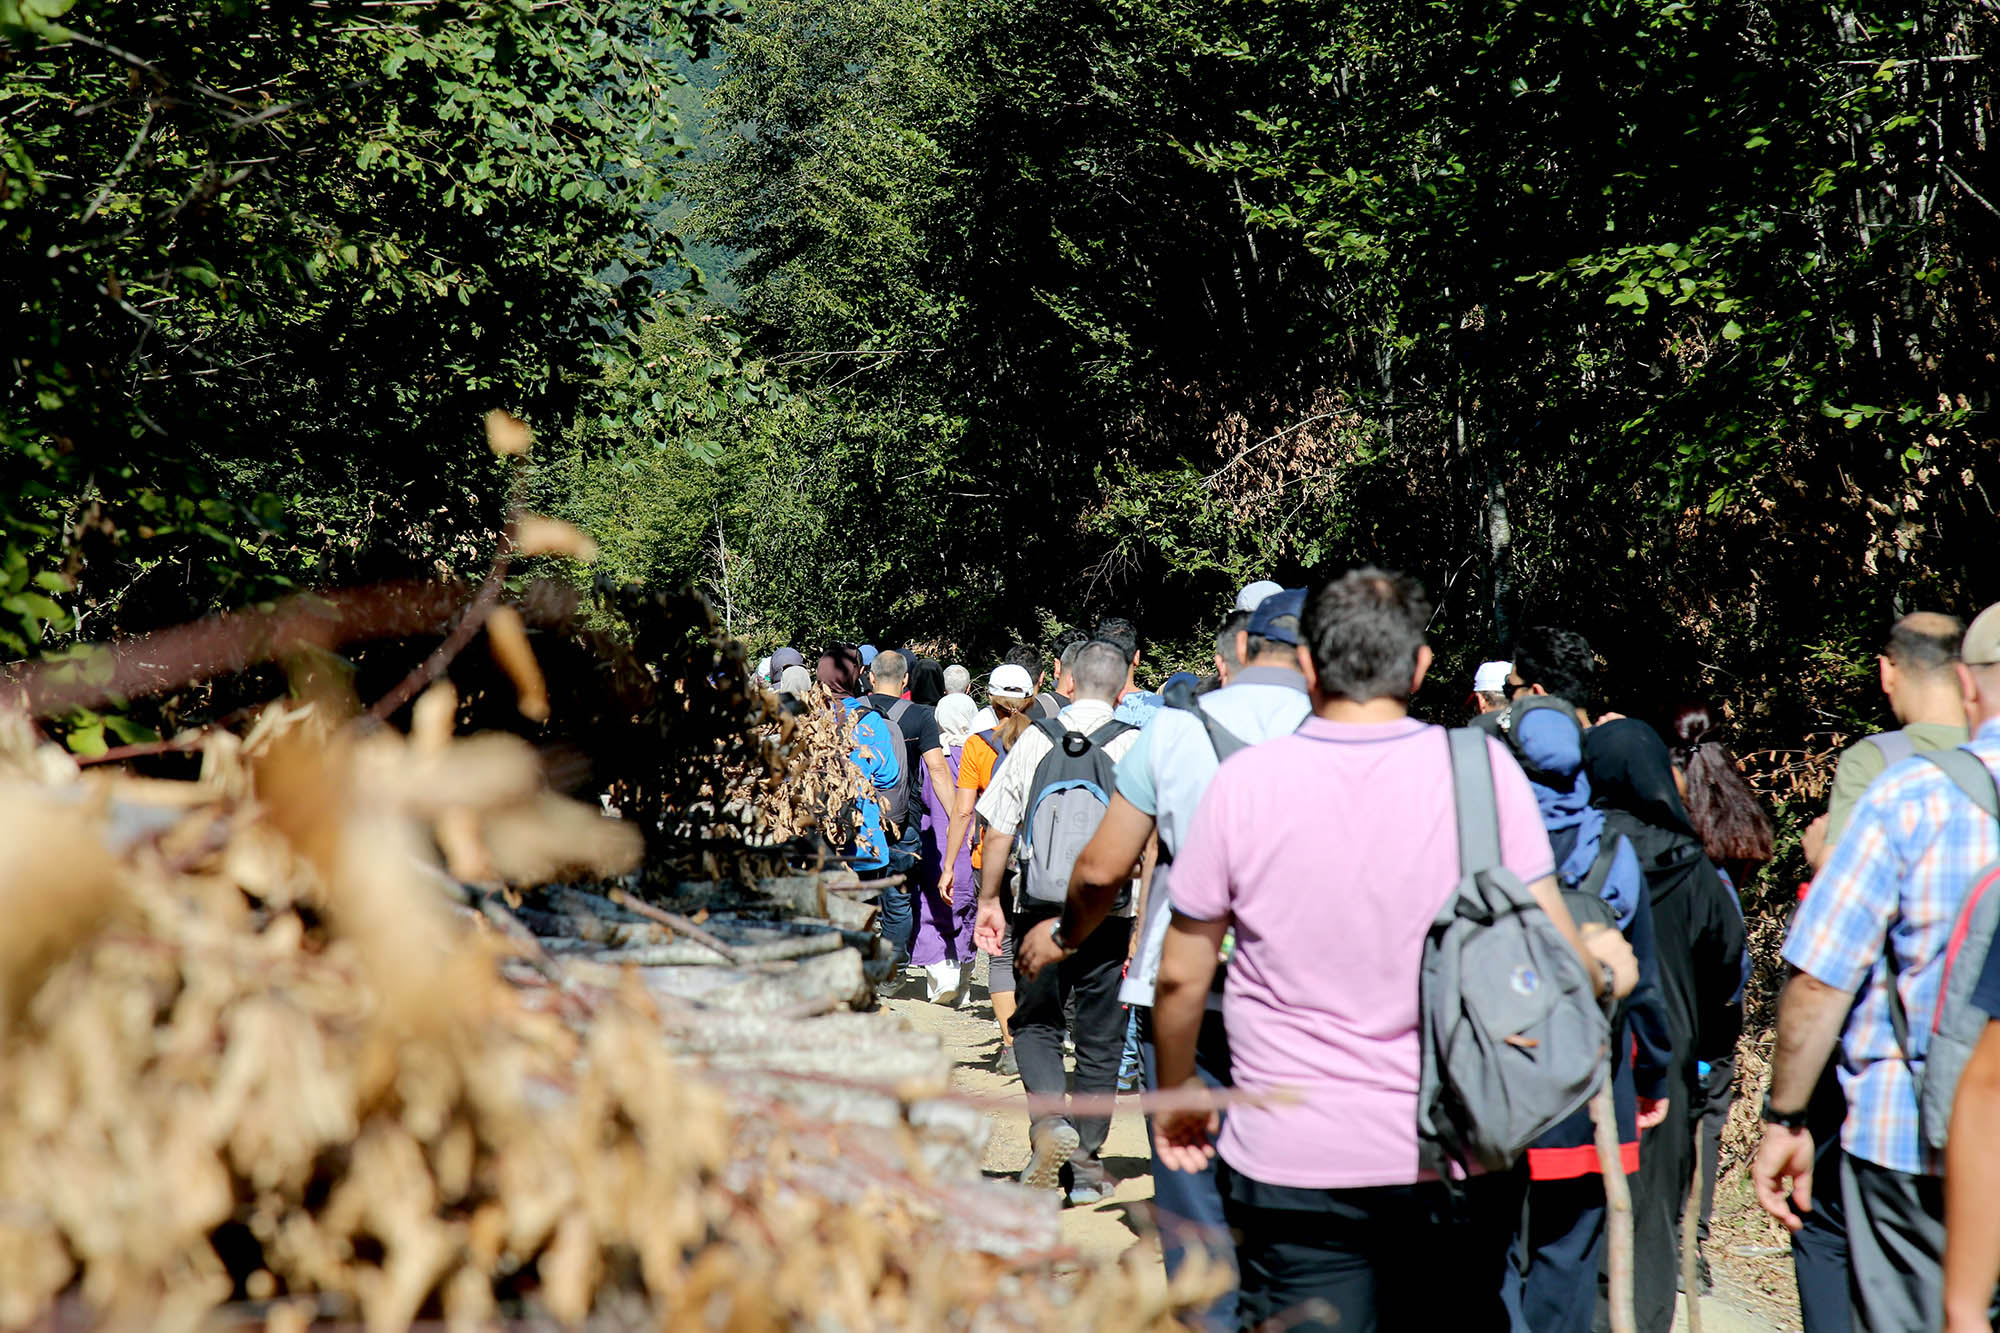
(975, 773)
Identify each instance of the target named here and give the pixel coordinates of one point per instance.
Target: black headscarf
(1631, 770)
(926, 681)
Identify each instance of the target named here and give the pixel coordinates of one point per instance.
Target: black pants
(1378, 1260)
(1819, 1249)
(1552, 1282)
(1088, 980)
(1659, 1194)
(1718, 1090)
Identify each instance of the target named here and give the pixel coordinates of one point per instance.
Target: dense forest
(952, 321)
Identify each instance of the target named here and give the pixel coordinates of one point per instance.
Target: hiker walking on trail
(1010, 689)
(1737, 837)
(1553, 1284)
(1331, 852)
(1698, 933)
(922, 838)
(1160, 784)
(1135, 706)
(878, 754)
(943, 946)
(1046, 801)
(1876, 946)
(1916, 671)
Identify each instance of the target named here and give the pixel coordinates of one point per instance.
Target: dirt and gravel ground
(1754, 1292)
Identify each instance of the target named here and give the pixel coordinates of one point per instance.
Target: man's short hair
(1121, 632)
(1065, 646)
(1925, 642)
(1259, 646)
(890, 665)
(1364, 630)
(1225, 638)
(1561, 662)
(1100, 670)
(1025, 657)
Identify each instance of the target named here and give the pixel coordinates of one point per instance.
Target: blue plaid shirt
(1914, 849)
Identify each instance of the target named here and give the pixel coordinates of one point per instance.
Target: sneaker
(1006, 1063)
(1054, 1142)
(1703, 1278)
(1089, 1182)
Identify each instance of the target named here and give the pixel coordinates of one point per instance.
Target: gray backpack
(1957, 1027)
(1512, 1038)
(1067, 797)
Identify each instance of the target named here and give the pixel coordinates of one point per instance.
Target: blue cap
(867, 654)
(1291, 603)
(1179, 676)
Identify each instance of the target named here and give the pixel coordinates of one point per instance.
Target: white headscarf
(955, 713)
(795, 681)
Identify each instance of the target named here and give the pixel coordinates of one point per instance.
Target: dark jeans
(1895, 1247)
(1378, 1260)
(1718, 1090)
(1819, 1249)
(1089, 978)
(1552, 1282)
(898, 919)
(1187, 1206)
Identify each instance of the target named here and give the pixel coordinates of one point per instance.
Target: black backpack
(913, 763)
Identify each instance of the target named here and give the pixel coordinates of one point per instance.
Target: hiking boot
(1089, 1182)
(1006, 1064)
(1054, 1142)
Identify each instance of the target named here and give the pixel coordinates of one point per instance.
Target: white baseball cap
(1010, 682)
(1491, 678)
(1252, 596)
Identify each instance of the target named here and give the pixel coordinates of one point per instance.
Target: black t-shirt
(918, 724)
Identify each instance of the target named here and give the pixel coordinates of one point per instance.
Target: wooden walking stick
(1617, 1203)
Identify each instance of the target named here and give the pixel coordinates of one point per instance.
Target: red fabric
(1569, 1163)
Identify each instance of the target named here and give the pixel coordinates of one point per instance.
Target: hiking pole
(1617, 1203)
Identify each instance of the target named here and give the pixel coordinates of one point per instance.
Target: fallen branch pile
(254, 1061)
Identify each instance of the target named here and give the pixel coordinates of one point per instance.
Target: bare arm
(989, 928)
(1106, 865)
(1810, 1016)
(942, 782)
(1971, 1184)
(954, 838)
(1180, 995)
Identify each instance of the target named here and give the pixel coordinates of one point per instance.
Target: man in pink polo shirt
(1329, 852)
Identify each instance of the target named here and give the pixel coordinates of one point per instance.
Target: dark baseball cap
(1287, 605)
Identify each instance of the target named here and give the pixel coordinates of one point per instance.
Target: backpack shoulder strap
(993, 741)
(897, 709)
(1894, 746)
(1109, 732)
(1221, 739)
(1969, 774)
(1478, 809)
(1053, 728)
(1600, 867)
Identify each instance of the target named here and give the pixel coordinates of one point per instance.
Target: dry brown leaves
(250, 1051)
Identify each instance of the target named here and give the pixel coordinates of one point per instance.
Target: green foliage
(262, 267)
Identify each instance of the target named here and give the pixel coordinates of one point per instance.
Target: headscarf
(1553, 742)
(955, 715)
(1631, 770)
(840, 670)
(926, 681)
(796, 681)
(784, 657)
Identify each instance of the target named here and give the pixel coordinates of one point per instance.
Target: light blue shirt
(1167, 770)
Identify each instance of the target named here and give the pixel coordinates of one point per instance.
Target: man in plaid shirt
(1880, 914)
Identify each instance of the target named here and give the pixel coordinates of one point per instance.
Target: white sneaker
(944, 983)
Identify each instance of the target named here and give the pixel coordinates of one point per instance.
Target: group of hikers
(1411, 957)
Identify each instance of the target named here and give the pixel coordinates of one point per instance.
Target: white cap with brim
(1253, 596)
(1009, 681)
(1491, 678)
(1982, 639)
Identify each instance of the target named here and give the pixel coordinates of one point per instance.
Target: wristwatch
(1792, 1120)
(1609, 996)
(1055, 938)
